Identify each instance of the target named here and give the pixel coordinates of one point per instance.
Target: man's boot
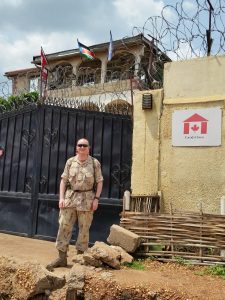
(61, 261)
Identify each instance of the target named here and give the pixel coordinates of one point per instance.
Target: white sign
(197, 127)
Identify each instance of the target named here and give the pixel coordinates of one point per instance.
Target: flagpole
(44, 75)
(41, 99)
(110, 49)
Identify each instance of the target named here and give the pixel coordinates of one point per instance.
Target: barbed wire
(115, 107)
(86, 85)
(5, 88)
(181, 30)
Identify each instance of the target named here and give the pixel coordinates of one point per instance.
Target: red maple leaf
(195, 128)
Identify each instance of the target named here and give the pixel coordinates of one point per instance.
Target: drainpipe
(222, 211)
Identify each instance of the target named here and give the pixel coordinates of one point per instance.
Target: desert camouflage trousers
(67, 218)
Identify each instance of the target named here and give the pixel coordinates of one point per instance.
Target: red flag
(43, 59)
(44, 71)
(44, 74)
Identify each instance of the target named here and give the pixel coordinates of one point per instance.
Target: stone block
(124, 238)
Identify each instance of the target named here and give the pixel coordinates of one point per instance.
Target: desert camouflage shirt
(79, 176)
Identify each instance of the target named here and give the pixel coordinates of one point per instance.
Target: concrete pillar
(75, 66)
(137, 64)
(103, 69)
(138, 53)
(126, 200)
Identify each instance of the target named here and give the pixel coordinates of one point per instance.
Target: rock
(75, 278)
(78, 259)
(124, 238)
(89, 259)
(106, 254)
(7, 270)
(33, 279)
(59, 294)
(124, 256)
(72, 295)
(106, 275)
(101, 253)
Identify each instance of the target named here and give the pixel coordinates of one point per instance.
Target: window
(34, 84)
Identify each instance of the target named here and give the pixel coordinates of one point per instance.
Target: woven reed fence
(198, 238)
(145, 204)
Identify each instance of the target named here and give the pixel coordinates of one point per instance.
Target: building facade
(166, 159)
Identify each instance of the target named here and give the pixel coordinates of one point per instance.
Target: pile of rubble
(23, 281)
(33, 281)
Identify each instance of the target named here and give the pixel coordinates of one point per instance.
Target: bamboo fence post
(222, 211)
(171, 227)
(201, 218)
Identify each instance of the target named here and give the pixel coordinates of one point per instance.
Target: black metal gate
(37, 142)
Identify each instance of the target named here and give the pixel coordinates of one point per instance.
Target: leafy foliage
(217, 270)
(136, 264)
(18, 101)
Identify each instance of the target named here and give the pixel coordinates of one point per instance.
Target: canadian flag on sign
(195, 123)
(197, 127)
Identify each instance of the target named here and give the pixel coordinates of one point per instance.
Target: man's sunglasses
(82, 145)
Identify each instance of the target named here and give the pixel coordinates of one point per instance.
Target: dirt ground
(177, 281)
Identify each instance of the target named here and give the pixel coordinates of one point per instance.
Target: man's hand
(95, 204)
(61, 203)
(62, 190)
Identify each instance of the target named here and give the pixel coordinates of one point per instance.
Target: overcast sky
(56, 25)
(26, 25)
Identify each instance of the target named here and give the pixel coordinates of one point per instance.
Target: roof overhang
(31, 71)
(121, 44)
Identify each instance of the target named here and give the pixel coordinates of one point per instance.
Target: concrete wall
(144, 178)
(192, 177)
(20, 84)
(188, 177)
(195, 80)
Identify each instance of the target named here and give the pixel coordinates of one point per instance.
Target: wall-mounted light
(147, 101)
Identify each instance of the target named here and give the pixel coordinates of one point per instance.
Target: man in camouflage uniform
(78, 200)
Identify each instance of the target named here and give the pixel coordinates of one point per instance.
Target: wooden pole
(222, 211)
(41, 84)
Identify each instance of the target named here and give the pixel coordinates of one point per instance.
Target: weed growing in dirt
(151, 258)
(136, 264)
(180, 260)
(216, 270)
